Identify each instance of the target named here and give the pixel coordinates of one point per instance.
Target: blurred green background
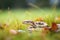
(27, 10)
(4, 4)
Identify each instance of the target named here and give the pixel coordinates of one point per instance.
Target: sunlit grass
(16, 17)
